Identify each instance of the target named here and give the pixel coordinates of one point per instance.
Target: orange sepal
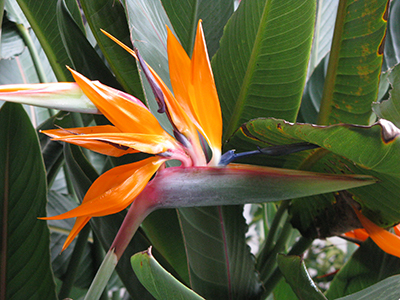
(387, 241)
(114, 190)
(127, 113)
(359, 234)
(147, 143)
(203, 94)
(80, 222)
(91, 144)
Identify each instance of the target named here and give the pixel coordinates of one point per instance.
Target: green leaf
(367, 266)
(42, 17)
(83, 56)
(355, 62)
(162, 227)
(391, 55)
(261, 66)
(110, 16)
(58, 204)
(390, 109)
(324, 27)
(147, 22)
(160, 283)
(220, 262)
(312, 95)
(348, 149)
(295, 272)
(388, 289)
(25, 265)
(184, 16)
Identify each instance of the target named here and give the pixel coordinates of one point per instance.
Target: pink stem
(138, 211)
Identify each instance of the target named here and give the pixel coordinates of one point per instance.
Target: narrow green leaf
(324, 27)
(185, 15)
(392, 42)
(295, 272)
(390, 109)
(261, 66)
(147, 22)
(25, 258)
(42, 17)
(160, 283)
(369, 265)
(355, 62)
(83, 56)
(110, 16)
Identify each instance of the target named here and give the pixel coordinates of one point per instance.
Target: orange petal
(397, 229)
(102, 147)
(387, 241)
(80, 222)
(114, 190)
(359, 234)
(127, 113)
(148, 143)
(204, 95)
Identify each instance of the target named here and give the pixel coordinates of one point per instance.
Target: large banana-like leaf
(349, 149)
(109, 15)
(25, 256)
(184, 16)
(355, 62)
(261, 66)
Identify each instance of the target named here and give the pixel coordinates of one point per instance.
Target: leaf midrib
(237, 111)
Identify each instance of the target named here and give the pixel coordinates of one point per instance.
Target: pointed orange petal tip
(387, 241)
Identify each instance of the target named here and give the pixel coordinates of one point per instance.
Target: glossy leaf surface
(25, 265)
(295, 272)
(160, 283)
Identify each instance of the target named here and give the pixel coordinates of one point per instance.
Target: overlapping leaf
(342, 153)
(261, 66)
(25, 265)
(355, 63)
(184, 16)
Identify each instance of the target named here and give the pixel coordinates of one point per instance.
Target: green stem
(74, 263)
(298, 248)
(98, 256)
(32, 50)
(269, 262)
(330, 80)
(269, 242)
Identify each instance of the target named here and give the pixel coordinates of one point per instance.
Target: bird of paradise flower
(193, 111)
